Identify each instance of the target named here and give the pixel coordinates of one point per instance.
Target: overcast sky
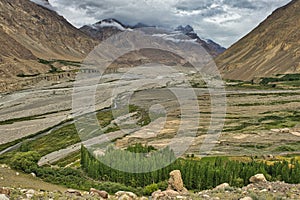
(224, 21)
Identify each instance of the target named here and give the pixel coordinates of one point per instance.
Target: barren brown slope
(271, 48)
(16, 59)
(28, 32)
(46, 34)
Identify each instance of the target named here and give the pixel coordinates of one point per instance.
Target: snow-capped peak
(44, 3)
(110, 23)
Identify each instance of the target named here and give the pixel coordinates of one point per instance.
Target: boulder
(5, 191)
(171, 193)
(157, 195)
(73, 192)
(3, 197)
(29, 196)
(125, 195)
(175, 182)
(258, 178)
(143, 198)
(168, 194)
(30, 193)
(222, 186)
(175, 188)
(100, 193)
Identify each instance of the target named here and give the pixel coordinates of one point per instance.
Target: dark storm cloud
(224, 21)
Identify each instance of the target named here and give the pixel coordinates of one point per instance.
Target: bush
(285, 148)
(149, 189)
(238, 182)
(25, 161)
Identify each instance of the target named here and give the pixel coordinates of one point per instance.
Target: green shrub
(25, 161)
(285, 148)
(149, 189)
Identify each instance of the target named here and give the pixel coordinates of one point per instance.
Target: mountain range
(107, 27)
(31, 31)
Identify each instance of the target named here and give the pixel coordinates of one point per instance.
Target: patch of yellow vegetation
(240, 158)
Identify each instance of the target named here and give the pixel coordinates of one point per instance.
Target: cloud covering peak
(224, 21)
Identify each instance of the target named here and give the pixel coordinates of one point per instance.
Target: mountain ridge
(101, 32)
(271, 48)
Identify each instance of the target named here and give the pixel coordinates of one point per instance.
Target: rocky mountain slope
(271, 48)
(29, 31)
(108, 27)
(42, 31)
(213, 48)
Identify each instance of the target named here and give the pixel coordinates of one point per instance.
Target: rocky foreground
(259, 188)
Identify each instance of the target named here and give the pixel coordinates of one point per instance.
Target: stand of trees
(197, 174)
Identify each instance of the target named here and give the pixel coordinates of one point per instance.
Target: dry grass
(10, 179)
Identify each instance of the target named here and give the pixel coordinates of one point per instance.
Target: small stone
(180, 197)
(33, 174)
(246, 198)
(17, 173)
(285, 130)
(22, 190)
(270, 188)
(205, 196)
(29, 196)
